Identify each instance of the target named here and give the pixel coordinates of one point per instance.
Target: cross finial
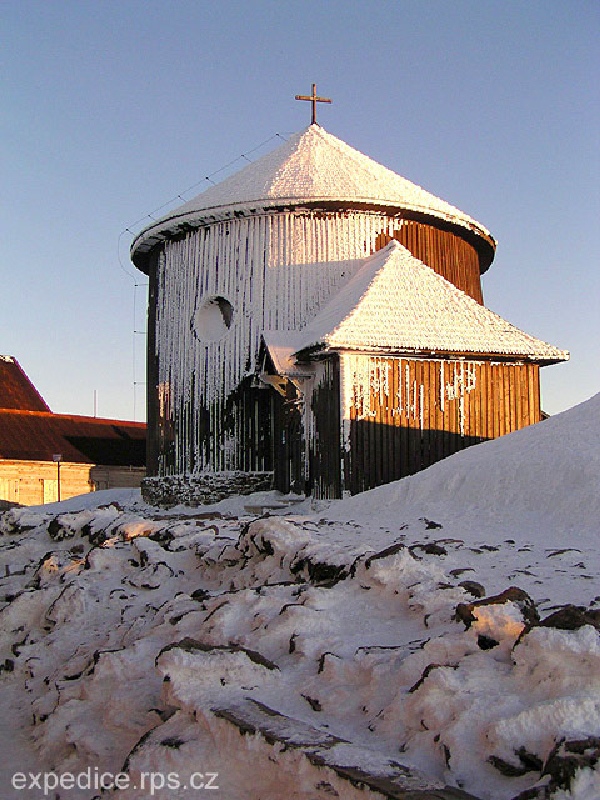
(314, 100)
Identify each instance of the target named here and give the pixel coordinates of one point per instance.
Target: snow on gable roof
(312, 166)
(282, 346)
(397, 303)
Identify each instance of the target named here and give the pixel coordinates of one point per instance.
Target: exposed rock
(200, 595)
(486, 642)
(506, 768)
(193, 645)
(569, 756)
(318, 572)
(58, 529)
(385, 778)
(426, 672)
(465, 611)
(571, 618)
(434, 549)
(430, 524)
(473, 587)
(563, 763)
(392, 550)
(528, 762)
(429, 548)
(6, 505)
(313, 702)
(464, 614)
(253, 717)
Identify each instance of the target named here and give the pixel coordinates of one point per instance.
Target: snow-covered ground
(352, 649)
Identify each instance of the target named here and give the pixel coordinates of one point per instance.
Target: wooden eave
(322, 351)
(180, 225)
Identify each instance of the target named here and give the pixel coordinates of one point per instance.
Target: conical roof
(395, 303)
(312, 167)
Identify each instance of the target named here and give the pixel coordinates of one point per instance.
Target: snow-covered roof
(397, 303)
(312, 166)
(282, 346)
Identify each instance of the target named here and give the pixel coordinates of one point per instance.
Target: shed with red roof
(44, 455)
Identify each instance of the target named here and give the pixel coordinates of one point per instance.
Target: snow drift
(434, 638)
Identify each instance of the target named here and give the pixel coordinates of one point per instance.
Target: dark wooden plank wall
(324, 479)
(409, 420)
(255, 412)
(156, 436)
(289, 454)
(443, 251)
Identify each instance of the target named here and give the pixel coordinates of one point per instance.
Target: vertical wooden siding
(403, 415)
(276, 270)
(450, 256)
(155, 444)
(289, 445)
(325, 463)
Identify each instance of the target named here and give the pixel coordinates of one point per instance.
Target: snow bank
(367, 649)
(544, 476)
(531, 500)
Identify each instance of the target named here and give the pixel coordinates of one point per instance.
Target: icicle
(276, 271)
(461, 402)
(398, 409)
(414, 402)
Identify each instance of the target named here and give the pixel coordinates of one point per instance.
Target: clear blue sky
(110, 109)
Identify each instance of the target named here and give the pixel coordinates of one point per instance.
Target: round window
(213, 319)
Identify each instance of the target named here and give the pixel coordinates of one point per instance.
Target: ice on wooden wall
(368, 393)
(269, 272)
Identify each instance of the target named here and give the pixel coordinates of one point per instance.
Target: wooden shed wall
(36, 482)
(402, 415)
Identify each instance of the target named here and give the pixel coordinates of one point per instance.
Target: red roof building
(46, 456)
(16, 390)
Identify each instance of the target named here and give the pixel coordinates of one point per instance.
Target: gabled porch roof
(396, 303)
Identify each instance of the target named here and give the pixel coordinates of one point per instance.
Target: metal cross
(314, 100)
